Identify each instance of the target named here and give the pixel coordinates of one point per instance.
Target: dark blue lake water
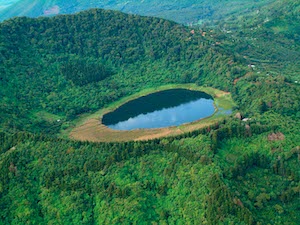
(161, 109)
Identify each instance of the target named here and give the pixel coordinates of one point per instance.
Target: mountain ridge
(186, 12)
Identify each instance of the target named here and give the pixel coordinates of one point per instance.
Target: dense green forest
(53, 70)
(222, 174)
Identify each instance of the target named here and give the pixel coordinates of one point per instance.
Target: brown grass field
(90, 128)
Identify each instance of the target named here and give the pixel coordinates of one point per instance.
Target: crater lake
(161, 109)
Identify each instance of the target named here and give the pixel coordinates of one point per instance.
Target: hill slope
(221, 174)
(61, 53)
(270, 35)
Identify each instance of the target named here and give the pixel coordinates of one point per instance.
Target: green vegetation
(205, 176)
(82, 72)
(267, 38)
(231, 171)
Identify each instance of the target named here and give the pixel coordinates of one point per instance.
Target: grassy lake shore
(90, 128)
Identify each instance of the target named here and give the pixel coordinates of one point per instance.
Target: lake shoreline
(90, 127)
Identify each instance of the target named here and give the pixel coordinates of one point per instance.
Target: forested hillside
(55, 70)
(221, 174)
(269, 37)
(121, 54)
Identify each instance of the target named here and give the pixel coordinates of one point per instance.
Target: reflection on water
(152, 102)
(166, 117)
